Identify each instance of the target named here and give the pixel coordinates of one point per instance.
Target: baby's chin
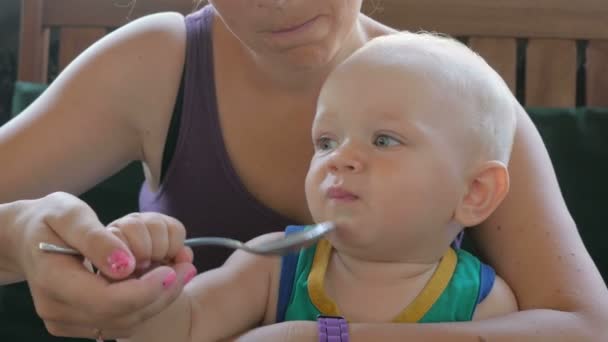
(347, 231)
(342, 221)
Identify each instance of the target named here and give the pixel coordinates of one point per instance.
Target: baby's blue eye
(325, 143)
(384, 140)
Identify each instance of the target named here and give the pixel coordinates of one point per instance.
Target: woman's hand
(71, 300)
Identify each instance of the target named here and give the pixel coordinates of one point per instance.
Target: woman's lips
(294, 27)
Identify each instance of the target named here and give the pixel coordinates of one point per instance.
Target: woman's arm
(110, 106)
(534, 245)
(9, 268)
(532, 326)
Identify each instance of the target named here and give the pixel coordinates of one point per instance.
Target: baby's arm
(215, 305)
(500, 301)
(218, 304)
(236, 297)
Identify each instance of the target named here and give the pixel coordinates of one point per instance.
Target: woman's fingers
(119, 307)
(74, 222)
(132, 295)
(87, 298)
(184, 273)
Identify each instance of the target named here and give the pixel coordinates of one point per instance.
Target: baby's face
(385, 166)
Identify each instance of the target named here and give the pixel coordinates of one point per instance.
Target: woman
(251, 70)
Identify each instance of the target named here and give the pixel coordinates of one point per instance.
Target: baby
(412, 136)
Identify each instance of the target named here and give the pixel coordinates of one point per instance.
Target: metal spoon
(281, 246)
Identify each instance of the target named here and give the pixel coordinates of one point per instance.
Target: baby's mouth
(341, 194)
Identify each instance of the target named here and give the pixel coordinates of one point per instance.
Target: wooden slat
(501, 54)
(72, 41)
(567, 19)
(597, 73)
(33, 43)
(108, 13)
(551, 73)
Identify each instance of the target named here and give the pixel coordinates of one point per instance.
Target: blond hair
(457, 69)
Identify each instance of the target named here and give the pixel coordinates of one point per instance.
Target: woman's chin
(303, 59)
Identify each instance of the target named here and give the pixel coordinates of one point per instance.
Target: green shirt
(450, 295)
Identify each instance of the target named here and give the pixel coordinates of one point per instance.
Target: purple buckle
(332, 329)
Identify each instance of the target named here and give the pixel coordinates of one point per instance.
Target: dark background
(9, 37)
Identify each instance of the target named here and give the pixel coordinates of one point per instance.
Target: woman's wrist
(11, 237)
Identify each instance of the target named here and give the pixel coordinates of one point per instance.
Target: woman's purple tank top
(201, 188)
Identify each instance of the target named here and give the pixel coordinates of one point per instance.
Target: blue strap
(288, 272)
(486, 281)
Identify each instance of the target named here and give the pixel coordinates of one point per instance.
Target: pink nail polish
(189, 276)
(169, 280)
(119, 261)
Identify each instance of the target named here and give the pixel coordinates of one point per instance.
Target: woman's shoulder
(154, 30)
(144, 59)
(155, 42)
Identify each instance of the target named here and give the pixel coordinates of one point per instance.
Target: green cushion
(24, 94)
(577, 141)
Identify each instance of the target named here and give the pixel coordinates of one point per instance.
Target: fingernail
(169, 279)
(119, 261)
(189, 276)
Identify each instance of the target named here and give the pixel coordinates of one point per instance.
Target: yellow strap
(411, 314)
(316, 279)
(431, 292)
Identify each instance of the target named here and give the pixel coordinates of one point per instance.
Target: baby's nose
(346, 159)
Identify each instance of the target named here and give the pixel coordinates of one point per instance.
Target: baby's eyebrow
(391, 118)
(324, 119)
(401, 121)
(394, 115)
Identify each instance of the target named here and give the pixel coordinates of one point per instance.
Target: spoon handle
(201, 241)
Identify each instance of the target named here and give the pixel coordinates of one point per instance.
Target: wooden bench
(78, 23)
(559, 37)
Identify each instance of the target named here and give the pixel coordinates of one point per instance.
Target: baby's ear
(487, 187)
